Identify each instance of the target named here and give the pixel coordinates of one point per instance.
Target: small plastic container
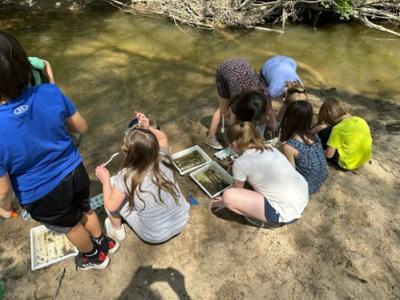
(225, 154)
(48, 247)
(204, 159)
(96, 201)
(218, 171)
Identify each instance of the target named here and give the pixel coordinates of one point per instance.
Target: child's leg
(243, 202)
(91, 222)
(115, 219)
(223, 109)
(214, 123)
(80, 238)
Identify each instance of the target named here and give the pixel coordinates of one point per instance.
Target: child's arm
(6, 196)
(290, 153)
(49, 71)
(319, 127)
(77, 124)
(271, 121)
(161, 137)
(113, 198)
(144, 122)
(330, 152)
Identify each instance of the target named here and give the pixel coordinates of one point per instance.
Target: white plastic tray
(48, 247)
(187, 151)
(224, 174)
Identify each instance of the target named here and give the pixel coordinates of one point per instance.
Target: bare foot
(216, 204)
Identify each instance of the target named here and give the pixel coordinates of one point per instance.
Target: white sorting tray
(224, 174)
(48, 247)
(187, 151)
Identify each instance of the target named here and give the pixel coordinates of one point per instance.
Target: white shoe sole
(115, 249)
(101, 266)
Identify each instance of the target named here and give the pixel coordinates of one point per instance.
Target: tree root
(214, 14)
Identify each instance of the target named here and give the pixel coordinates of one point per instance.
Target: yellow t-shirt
(352, 139)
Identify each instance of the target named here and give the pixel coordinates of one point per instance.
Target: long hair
(246, 137)
(142, 158)
(297, 120)
(15, 69)
(294, 89)
(250, 106)
(331, 111)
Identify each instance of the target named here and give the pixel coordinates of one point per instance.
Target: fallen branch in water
(214, 14)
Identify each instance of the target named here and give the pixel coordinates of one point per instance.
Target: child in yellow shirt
(346, 139)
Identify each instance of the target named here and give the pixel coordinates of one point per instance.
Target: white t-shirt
(154, 221)
(272, 175)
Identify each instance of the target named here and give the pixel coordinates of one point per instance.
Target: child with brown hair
(301, 147)
(346, 139)
(280, 193)
(145, 192)
(241, 94)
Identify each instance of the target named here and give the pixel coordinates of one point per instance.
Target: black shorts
(63, 207)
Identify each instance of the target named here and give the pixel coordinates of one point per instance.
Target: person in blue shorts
(39, 164)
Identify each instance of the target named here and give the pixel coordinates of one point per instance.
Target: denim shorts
(271, 215)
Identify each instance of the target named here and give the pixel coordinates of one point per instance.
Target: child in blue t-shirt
(39, 162)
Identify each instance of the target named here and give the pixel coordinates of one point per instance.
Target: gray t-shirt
(154, 221)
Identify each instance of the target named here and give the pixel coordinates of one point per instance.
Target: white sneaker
(213, 143)
(118, 234)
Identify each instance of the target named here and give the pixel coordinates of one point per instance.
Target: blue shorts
(271, 215)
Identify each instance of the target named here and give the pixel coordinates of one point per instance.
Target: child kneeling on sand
(346, 139)
(280, 193)
(302, 148)
(145, 192)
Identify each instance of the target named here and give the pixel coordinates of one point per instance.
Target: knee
(228, 197)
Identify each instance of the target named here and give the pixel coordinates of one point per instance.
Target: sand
(347, 245)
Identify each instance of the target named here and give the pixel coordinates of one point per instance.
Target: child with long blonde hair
(145, 192)
(280, 193)
(346, 139)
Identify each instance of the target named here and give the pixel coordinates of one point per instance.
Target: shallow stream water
(111, 64)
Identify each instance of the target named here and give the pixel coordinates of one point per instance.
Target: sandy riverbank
(346, 245)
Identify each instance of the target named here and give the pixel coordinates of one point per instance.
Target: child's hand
(143, 121)
(5, 213)
(102, 173)
(216, 204)
(229, 165)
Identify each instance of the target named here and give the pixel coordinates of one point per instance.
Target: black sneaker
(84, 262)
(106, 244)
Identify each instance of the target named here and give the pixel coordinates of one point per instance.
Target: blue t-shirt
(35, 148)
(276, 72)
